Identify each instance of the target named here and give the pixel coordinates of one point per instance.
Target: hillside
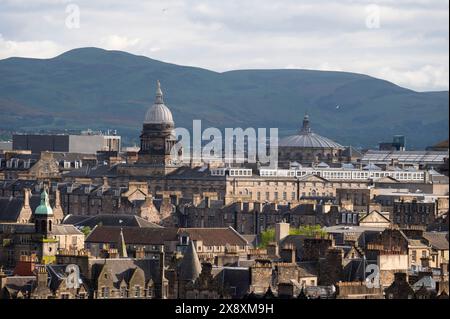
(99, 89)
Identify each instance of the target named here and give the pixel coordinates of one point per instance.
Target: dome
(158, 113)
(44, 208)
(306, 138)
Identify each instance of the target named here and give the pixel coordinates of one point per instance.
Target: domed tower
(44, 238)
(158, 137)
(43, 216)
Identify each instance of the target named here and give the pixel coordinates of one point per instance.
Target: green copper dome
(44, 208)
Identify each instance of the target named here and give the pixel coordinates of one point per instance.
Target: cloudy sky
(403, 41)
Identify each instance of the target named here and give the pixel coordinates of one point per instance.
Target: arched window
(49, 225)
(43, 226)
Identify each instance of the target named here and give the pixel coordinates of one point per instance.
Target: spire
(190, 267)
(159, 94)
(306, 128)
(121, 246)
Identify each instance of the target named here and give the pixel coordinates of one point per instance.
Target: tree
(268, 235)
(309, 231)
(86, 230)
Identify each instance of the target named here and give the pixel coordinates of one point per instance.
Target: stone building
(41, 236)
(419, 210)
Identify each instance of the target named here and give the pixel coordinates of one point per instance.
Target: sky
(402, 41)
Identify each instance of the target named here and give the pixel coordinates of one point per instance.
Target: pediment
(386, 179)
(374, 217)
(313, 178)
(135, 194)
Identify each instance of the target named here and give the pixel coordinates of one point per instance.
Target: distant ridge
(99, 89)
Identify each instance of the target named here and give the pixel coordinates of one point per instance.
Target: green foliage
(308, 230)
(268, 235)
(86, 230)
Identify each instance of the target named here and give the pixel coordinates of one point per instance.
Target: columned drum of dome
(308, 147)
(157, 140)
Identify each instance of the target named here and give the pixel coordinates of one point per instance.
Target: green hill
(99, 89)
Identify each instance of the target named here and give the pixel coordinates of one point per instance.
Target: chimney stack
(281, 231)
(26, 197)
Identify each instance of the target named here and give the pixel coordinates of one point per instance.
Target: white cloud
(117, 42)
(30, 49)
(410, 48)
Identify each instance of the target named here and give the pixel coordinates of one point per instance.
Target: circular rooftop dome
(158, 113)
(307, 139)
(44, 208)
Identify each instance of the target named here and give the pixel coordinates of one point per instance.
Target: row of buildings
(145, 224)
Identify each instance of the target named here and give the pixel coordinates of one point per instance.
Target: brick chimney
(57, 198)
(272, 250)
(25, 266)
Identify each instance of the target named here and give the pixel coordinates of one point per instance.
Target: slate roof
(427, 281)
(57, 273)
(121, 220)
(193, 173)
(157, 236)
(66, 230)
(10, 207)
(215, 236)
(96, 171)
(17, 228)
(132, 235)
(236, 279)
(438, 240)
(122, 269)
(307, 269)
(14, 284)
(190, 267)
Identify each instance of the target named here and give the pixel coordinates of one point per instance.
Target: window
(137, 291)
(413, 255)
(65, 296)
(123, 292)
(105, 292)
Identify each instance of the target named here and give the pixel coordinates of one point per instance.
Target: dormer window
(184, 240)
